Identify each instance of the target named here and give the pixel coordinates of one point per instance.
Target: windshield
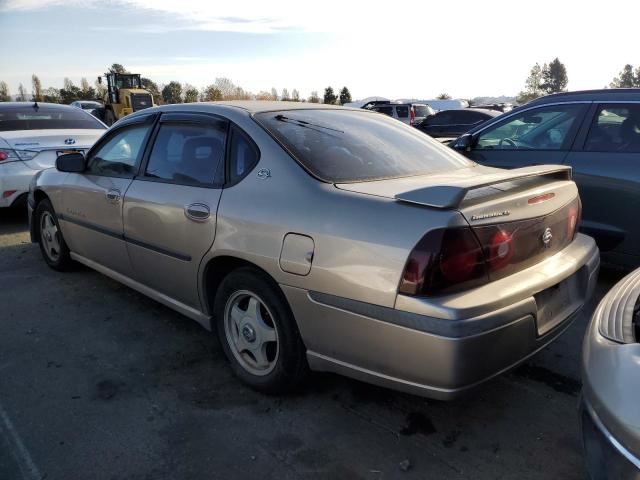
(90, 105)
(349, 146)
(45, 118)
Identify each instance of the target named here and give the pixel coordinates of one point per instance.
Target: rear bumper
(439, 356)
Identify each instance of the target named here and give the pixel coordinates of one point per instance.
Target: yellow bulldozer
(124, 95)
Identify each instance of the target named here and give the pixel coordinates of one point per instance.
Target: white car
(32, 135)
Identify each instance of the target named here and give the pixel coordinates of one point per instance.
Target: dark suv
(597, 133)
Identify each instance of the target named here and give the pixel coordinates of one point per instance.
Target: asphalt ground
(100, 382)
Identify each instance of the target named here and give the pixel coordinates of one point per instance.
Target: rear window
(45, 118)
(350, 146)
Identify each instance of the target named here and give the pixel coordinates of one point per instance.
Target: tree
(263, 96)
(314, 98)
(626, 78)
(69, 92)
(211, 94)
(172, 93)
(443, 96)
(22, 94)
(554, 77)
(329, 97)
(4, 92)
(226, 87)
(117, 68)
(285, 95)
(345, 96)
(87, 92)
(274, 94)
(152, 87)
(190, 93)
(36, 88)
(51, 95)
(100, 90)
(532, 86)
(295, 95)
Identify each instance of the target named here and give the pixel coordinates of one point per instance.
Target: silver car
(320, 237)
(609, 410)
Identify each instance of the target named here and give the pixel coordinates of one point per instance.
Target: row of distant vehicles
(487, 250)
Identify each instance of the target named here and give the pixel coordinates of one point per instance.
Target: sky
(401, 49)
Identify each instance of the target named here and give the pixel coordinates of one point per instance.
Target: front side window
(353, 146)
(385, 110)
(616, 128)
(441, 118)
(545, 128)
(188, 153)
(120, 154)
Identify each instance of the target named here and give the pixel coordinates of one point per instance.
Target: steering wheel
(508, 141)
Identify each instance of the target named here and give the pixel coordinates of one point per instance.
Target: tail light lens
(9, 155)
(448, 260)
(412, 115)
(442, 260)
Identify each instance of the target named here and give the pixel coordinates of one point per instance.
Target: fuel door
(297, 254)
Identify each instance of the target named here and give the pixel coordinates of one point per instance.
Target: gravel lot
(99, 382)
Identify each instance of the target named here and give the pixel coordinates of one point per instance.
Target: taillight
(412, 116)
(501, 250)
(3, 155)
(444, 260)
(573, 220)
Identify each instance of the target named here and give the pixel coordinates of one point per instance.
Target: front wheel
(258, 333)
(52, 245)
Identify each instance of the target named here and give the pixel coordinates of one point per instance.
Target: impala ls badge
(69, 141)
(264, 173)
(546, 237)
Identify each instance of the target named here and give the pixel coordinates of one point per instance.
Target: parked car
(94, 108)
(409, 113)
(453, 123)
(312, 235)
(31, 137)
(609, 413)
(500, 107)
(597, 133)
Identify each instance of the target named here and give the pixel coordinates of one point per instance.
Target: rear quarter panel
(361, 241)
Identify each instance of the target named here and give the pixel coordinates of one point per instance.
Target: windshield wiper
(304, 123)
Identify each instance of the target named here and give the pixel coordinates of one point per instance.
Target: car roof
(259, 106)
(606, 94)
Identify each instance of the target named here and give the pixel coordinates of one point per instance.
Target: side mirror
(463, 143)
(71, 163)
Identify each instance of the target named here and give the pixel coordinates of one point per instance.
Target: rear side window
(421, 110)
(441, 118)
(616, 128)
(187, 153)
(352, 146)
(403, 112)
(45, 118)
(243, 156)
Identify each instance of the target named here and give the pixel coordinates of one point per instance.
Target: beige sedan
(327, 238)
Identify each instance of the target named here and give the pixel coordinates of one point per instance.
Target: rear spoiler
(451, 196)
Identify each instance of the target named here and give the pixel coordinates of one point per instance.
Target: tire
(109, 117)
(52, 245)
(247, 336)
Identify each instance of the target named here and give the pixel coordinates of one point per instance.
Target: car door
(606, 167)
(92, 200)
(170, 208)
(530, 136)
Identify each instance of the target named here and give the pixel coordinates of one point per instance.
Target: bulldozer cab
(116, 81)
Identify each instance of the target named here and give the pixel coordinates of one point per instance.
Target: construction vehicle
(124, 95)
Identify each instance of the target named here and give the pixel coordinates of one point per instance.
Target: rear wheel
(53, 247)
(258, 333)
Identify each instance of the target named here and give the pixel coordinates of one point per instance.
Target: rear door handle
(113, 195)
(197, 211)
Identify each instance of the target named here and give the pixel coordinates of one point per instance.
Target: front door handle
(113, 195)
(197, 211)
